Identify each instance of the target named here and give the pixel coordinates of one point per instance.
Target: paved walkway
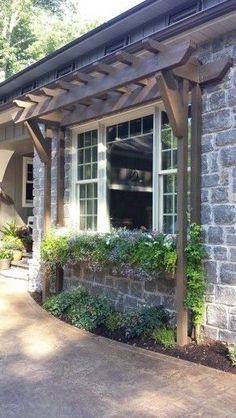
(50, 369)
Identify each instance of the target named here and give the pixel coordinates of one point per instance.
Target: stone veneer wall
(125, 294)
(219, 192)
(218, 208)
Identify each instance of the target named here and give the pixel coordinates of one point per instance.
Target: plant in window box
(5, 259)
(13, 244)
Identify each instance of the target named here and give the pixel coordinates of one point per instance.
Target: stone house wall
(218, 208)
(219, 192)
(124, 294)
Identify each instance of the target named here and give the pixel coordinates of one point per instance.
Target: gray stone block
(226, 138)
(123, 285)
(169, 302)
(210, 271)
(206, 214)
(228, 274)
(227, 336)
(228, 156)
(136, 289)
(153, 300)
(211, 332)
(232, 323)
(233, 255)
(219, 195)
(210, 180)
(215, 235)
(217, 100)
(224, 214)
(232, 97)
(151, 286)
(226, 295)
(216, 121)
(220, 253)
(217, 316)
(130, 302)
(166, 286)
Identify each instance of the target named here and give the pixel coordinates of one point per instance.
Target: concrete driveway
(50, 369)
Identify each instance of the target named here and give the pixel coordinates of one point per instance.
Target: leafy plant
(232, 354)
(12, 243)
(59, 304)
(114, 321)
(196, 283)
(164, 336)
(90, 313)
(5, 255)
(10, 230)
(143, 321)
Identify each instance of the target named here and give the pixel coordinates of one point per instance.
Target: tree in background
(31, 29)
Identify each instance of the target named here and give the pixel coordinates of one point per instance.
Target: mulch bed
(209, 353)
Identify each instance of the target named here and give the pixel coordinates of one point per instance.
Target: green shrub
(59, 304)
(55, 250)
(143, 321)
(90, 313)
(5, 255)
(196, 283)
(232, 354)
(114, 321)
(12, 243)
(10, 230)
(164, 336)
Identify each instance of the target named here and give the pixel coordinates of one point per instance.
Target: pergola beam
(170, 58)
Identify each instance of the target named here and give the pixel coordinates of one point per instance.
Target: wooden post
(182, 188)
(196, 128)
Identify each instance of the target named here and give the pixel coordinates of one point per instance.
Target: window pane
(87, 139)
(168, 203)
(29, 192)
(168, 224)
(123, 130)
(88, 172)
(135, 127)
(166, 138)
(94, 154)
(83, 223)
(80, 157)
(80, 173)
(87, 155)
(83, 191)
(80, 140)
(94, 137)
(147, 124)
(94, 171)
(166, 160)
(30, 172)
(111, 133)
(90, 191)
(90, 207)
(82, 207)
(168, 183)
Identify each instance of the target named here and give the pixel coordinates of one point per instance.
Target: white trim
(26, 161)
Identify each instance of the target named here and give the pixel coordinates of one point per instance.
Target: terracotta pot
(5, 264)
(17, 255)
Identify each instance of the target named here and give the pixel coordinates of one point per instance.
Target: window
(86, 188)
(184, 13)
(130, 161)
(125, 173)
(115, 46)
(27, 192)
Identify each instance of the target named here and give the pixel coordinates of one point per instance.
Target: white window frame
(103, 220)
(26, 161)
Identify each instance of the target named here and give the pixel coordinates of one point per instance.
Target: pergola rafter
(169, 73)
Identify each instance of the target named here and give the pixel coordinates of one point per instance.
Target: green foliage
(59, 304)
(12, 243)
(90, 313)
(5, 255)
(164, 336)
(132, 254)
(115, 321)
(10, 230)
(143, 321)
(196, 285)
(232, 354)
(55, 250)
(23, 38)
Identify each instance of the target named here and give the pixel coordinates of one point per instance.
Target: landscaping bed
(209, 353)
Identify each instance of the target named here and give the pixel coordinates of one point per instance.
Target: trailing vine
(196, 283)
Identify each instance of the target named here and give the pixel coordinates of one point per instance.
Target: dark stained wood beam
(169, 91)
(50, 92)
(153, 46)
(64, 85)
(126, 58)
(34, 98)
(40, 143)
(182, 222)
(103, 68)
(196, 131)
(116, 102)
(170, 58)
(81, 77)
(215, 71)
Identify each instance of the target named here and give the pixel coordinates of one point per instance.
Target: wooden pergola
(136, 75)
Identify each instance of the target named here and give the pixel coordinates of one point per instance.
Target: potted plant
(14, 245)
(5, 259)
